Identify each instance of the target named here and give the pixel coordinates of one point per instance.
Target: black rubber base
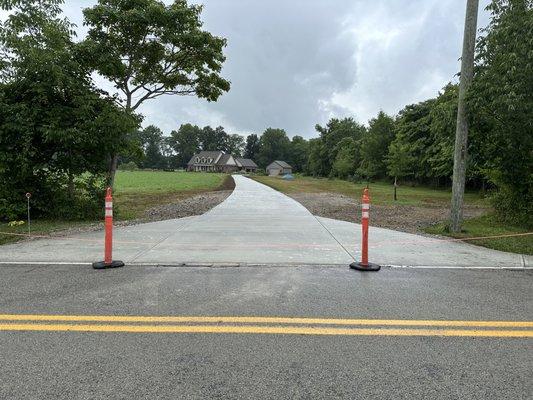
(102, 265)
(361, 267)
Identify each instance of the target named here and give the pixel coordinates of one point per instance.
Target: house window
(197, 159)
(203, 160)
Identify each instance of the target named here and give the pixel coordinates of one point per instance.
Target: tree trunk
(461, 132)
(395, 186)
(112, 170)
(114, 157)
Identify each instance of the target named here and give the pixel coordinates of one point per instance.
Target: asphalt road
(325, 359)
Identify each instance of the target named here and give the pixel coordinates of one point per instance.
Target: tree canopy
(148, 49)
(501, 103)
(55, 125)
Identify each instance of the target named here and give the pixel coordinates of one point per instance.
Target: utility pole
(461, 131)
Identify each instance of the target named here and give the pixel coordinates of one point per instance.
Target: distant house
(212, 161)
(278, 168)
(218, 161)
(246, 165)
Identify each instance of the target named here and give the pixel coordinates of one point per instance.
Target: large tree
(316, 165)
(235, 145)
(413, 137)
(151, 139)
(185, 142)
(56, 128)
(375, 145)
(274, 145)
(252, 146)
(148, 49)
(332, 134)
(213, 139)
(501, 100)
(298, 153)
(345, 162)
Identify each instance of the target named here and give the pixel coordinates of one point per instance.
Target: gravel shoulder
(187, 207)
(404, 218)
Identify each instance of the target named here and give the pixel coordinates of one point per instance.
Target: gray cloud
(295, 63)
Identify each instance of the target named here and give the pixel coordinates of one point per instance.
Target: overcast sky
(296, 63)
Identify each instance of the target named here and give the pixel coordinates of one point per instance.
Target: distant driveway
(258, 225)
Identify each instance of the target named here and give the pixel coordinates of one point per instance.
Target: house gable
(226, 160)
(206, 158)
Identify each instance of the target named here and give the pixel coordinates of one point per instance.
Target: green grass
(380, 193)
(165, 182)
(135, 192)
(488, 225)
(38, 227)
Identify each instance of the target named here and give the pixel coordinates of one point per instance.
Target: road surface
(71, 332)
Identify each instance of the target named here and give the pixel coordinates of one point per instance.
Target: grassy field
(165, 182)
(135, 192)
(380, 193)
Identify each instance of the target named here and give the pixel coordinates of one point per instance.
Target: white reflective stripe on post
(108, 204)
(365, 206)
(108, 212)
(365, 214)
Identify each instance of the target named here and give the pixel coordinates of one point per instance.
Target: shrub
(513, 206)
(53, 197)
(129, 166)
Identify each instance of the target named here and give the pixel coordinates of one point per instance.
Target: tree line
(174, 151)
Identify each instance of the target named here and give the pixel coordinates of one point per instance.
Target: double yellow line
(265, 325)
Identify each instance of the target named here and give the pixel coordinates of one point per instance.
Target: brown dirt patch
(398, 217)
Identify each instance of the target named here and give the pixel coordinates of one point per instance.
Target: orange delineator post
(108, 243)
(365, 215)
(108, 248)
(364, 265)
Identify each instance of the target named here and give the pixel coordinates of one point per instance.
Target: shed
(278, 168)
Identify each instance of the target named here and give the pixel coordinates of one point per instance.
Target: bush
(514, 207)
(129, 166)
(51, 198)
(11, 210)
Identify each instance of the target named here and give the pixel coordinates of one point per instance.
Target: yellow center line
(282, 330)
(265, 320)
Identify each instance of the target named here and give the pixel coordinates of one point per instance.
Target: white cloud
(296, 63)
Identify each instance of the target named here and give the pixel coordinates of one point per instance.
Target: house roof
(282, 164)
(246, 163)
(214, 155)
(223, 160)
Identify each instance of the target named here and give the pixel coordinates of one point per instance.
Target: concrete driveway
(258, 225)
